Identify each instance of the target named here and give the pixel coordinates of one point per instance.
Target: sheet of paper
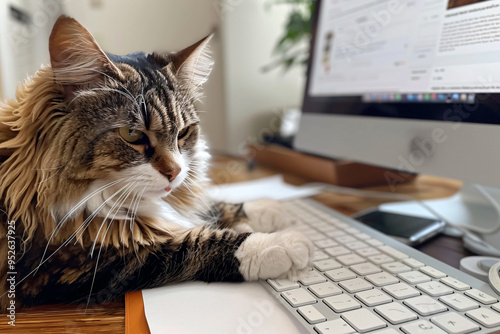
(225, 308)
(216, 308)
(272, 187)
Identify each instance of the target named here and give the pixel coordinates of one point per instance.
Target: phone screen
(396, 224)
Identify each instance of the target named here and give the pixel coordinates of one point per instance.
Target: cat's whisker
(116, 206)
(76, 207)
(83, 201)
(96, 266)
(47, 168)
(116, 81)
(117, 91)
(128, 217)
(132, 221)
(51, 176)
(89, 219)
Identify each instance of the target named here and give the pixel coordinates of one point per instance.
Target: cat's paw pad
(286, 254)
(268, 215)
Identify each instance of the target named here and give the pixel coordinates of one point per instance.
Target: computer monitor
(412, 86)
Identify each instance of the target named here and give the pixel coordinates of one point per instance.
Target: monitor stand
(467, 208)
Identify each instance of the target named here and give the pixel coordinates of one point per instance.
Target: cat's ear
(75, 56)
(193, 64)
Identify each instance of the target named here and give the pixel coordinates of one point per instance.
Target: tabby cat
(103, 178)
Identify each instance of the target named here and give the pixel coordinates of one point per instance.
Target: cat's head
(122, 135)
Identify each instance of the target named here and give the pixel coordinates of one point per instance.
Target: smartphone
(408, 229)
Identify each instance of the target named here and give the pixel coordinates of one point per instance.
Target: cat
(103, 179)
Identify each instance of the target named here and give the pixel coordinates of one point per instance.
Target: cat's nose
(172, 174)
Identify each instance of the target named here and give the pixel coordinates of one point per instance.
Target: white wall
(24, 47)
(125, 26)
(250, 32)
(239, 97)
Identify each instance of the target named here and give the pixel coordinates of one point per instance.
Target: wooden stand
(342, 173)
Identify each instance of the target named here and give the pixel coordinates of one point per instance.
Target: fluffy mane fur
(32, 181)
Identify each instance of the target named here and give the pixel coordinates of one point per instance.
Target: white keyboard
(364, 281)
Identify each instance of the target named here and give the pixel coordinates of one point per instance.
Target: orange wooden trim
(135, 317)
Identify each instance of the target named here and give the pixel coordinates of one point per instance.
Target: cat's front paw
(268, 215)
(286, 254)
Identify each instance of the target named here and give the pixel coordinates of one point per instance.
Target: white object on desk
(216, 308)
(273, 187)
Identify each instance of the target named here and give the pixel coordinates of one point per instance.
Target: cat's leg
(256, 216)
(199, 253)
(226, 255)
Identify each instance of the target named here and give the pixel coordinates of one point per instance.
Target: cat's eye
(132, 136)
(183, 133)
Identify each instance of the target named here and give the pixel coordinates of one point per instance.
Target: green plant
(292, 48)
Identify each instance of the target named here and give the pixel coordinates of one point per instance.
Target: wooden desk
(109, 318)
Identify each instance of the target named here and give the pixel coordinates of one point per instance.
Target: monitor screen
(429, 60)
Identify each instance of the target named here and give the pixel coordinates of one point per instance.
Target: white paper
(216, 308)
(272, 187)
(225, 308)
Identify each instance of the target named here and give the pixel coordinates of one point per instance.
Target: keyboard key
(422, 327)
(459, 302)
(330, 228)
(480, 296)
(365, 269)
(328, 264)
(319, 255)
(312, 277)
(321, 226)
(341, 274)
(362, 236)
(454, 323)
(435, 289)
(401, 291)
(393, 252)
(389, 331)
(352, 230)
(380, 259)
(496, 307)
(414, 277)
(433, 272)
(337, 251)
(350, 259)
(425, 305)
(485, 317)
(373, 297)
(282, 284)
(345, 238)
(454, 283)
(355, 285)
(337, 326)
(395, 267)
(415, 264)
(367, 251)
(298, 297)
(311, 314)
(325, 243)
(381, 279)
(373, 242)
(314, 236)
(355, 245)
(363, 320)
(325, 289)
(341, 303)
(395, 313)
(336, 233)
